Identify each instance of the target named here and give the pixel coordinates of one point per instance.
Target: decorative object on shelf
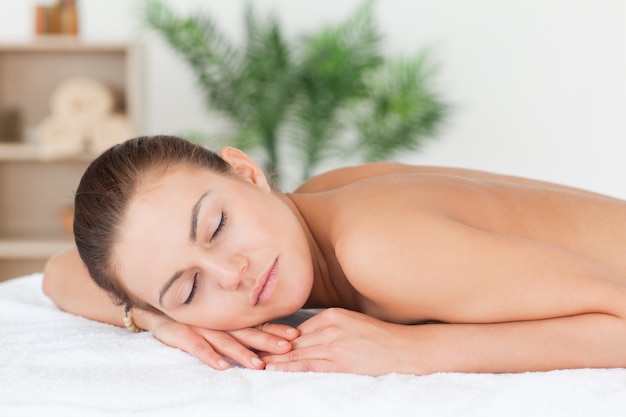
(10, 125)
(109, 131)
(82, 120)
(67, 218)
(58, 19)
(59, 138)
(329, 95)
(83, 98)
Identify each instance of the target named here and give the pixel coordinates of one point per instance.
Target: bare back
(463, 238)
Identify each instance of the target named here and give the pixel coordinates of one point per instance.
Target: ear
(245, 167)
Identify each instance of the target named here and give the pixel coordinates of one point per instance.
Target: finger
(280, 330)
(227, 345)
(318, 333)
(324, 319)
(297, 355)
(313, 359)
(316, 365)
(191, 342)
(261, 340)
(205, 352)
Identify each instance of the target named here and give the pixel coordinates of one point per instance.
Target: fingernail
(256, 362)
(290, 331)
(270, 367)
(222, 364)
(282, 343)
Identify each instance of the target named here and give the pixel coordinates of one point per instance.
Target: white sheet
(54, 363)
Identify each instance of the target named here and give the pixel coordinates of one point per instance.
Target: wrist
(413, 350)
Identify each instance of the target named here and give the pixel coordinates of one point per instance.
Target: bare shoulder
(448, 248)
(383, 235)
(395, 200)
(348, 175)
(344, 176)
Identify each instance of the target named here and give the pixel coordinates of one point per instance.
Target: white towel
(84, 100)
(109, 131)
(82, 118)
(60, 138)
(56, 364)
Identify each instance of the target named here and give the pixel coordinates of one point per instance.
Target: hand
(338, 340)
(212, 346)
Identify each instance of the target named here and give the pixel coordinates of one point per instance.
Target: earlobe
(244, 166)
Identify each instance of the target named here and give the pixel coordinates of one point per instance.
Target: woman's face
(212, 250)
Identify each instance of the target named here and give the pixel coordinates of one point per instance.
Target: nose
(229, 271)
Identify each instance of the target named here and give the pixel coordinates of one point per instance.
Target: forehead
(165, 176)
(162, 195)
(156, 224)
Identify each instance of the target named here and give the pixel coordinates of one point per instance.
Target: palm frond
(198, 40)
(332, 72)
(402, 111)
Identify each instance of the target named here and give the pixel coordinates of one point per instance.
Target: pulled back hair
(105, 191)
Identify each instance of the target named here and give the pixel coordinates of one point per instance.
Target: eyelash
(220, 227)
(194, 288)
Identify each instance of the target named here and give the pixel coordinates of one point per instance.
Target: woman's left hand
(338, 340)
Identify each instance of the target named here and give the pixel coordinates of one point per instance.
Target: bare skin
(511, 274)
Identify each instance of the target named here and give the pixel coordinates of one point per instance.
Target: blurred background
(535, 88)
(539, 86)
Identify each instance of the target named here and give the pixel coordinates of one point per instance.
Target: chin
(295, 305)
(291, 305)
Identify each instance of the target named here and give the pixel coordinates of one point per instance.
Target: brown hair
(104, 193)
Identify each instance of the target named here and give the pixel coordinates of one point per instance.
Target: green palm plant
(399, 110)
(304, 95)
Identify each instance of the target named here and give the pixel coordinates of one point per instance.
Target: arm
(591, 340)
(68, 284)
(339, 340)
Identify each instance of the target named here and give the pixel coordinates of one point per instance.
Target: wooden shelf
(16, 152)
(36, 191)
(32, 249)
(58, 43)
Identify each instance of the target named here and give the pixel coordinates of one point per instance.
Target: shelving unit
(36, 193)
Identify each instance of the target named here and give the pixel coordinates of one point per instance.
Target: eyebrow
(193, 234)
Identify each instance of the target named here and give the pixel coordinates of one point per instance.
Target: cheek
(218, 310)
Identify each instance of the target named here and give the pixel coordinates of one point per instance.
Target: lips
(266, 288)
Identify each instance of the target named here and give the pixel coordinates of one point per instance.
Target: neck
(330, 287)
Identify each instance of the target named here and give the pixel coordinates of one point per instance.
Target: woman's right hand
(212, 346)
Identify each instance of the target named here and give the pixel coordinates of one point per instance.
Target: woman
(422, 269)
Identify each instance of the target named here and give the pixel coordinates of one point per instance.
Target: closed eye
(220, 226)
(194, 288)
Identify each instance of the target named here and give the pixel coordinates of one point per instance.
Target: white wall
(539, 86)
